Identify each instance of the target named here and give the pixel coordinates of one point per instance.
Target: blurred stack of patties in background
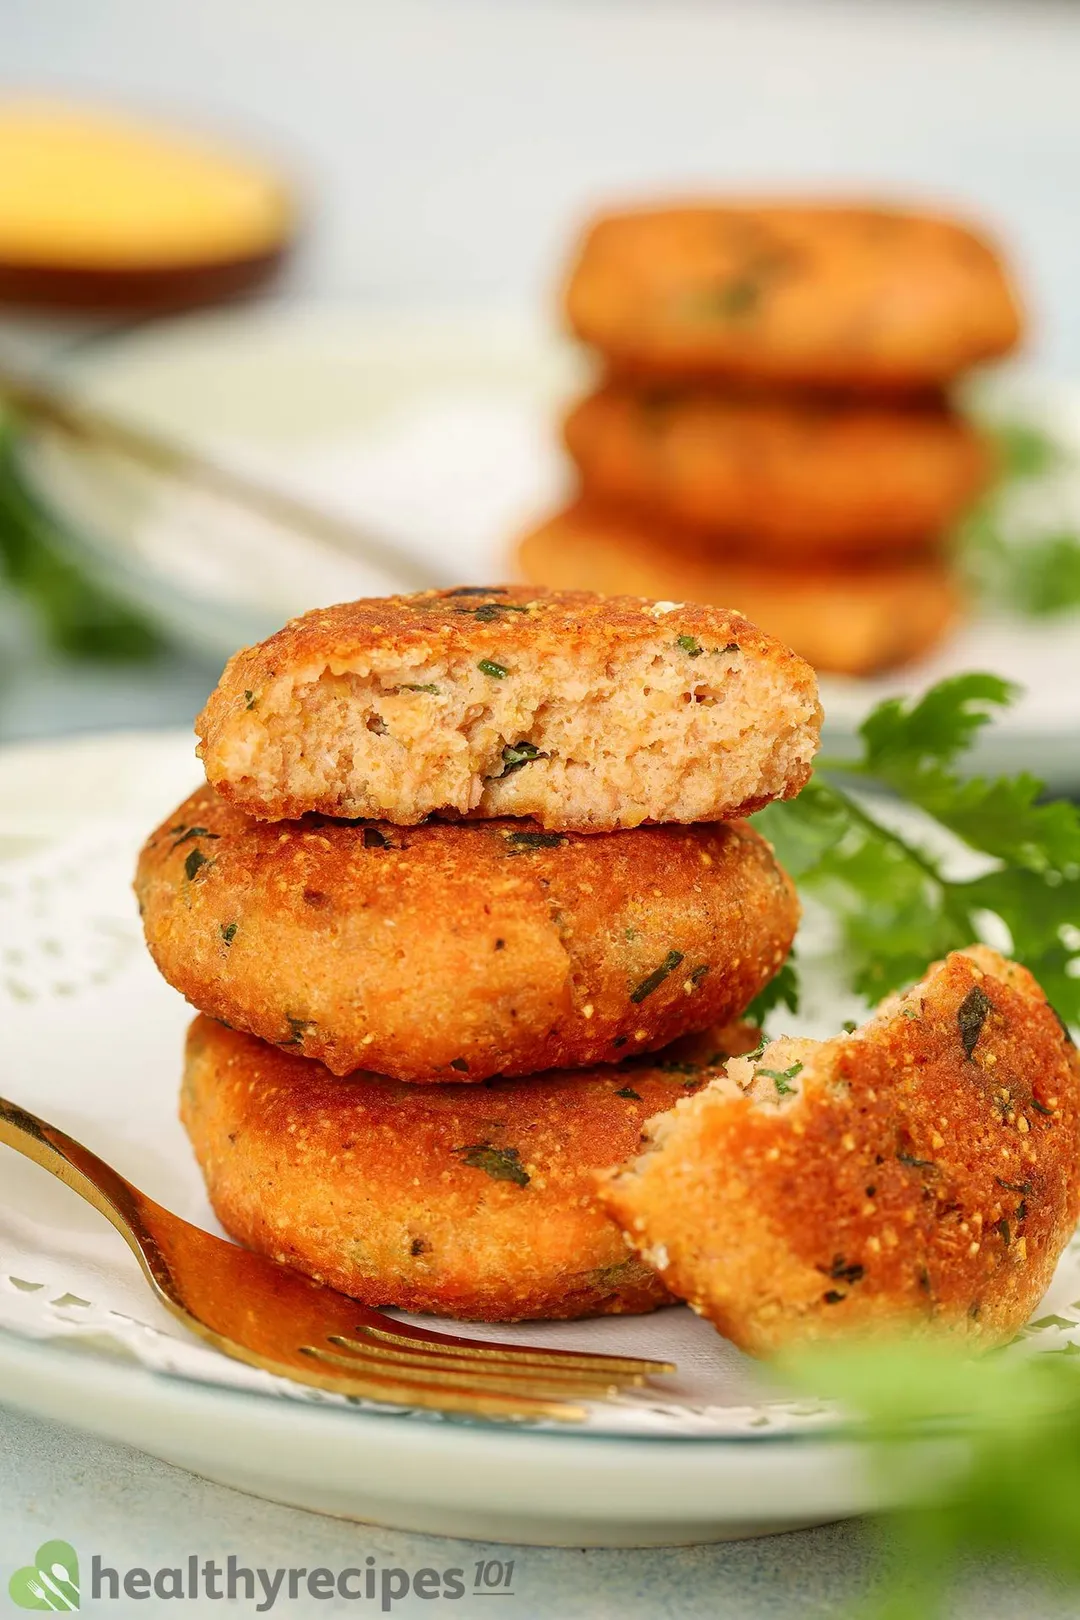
(774, 430)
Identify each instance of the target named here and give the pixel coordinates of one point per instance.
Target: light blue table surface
(139, 1513)
(446, 146)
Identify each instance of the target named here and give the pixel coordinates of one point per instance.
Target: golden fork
(272, 1317)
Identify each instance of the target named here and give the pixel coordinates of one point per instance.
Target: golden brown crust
(456, 952)
(469, 1201)
(849, 619)
(784, 478)
(922, 1172)
(412, 705)
(826, 294)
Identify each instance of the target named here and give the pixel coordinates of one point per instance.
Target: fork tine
(474, 1400)
(409, 1336)
(363, 1350)
(540, 1386)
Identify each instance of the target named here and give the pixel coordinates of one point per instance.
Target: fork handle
(51, 1148)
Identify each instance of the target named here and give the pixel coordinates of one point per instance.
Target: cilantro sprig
(898, 901)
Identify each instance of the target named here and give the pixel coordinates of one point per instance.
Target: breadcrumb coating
(468, 1201)
(827, 295)
(456, 952)
(921, 1172)
(795, 479)
(584, 712)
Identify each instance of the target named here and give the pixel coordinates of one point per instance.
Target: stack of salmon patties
(468, 897)
(773, 424)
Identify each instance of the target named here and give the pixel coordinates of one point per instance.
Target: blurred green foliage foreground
(987, 1449)
(74, 613)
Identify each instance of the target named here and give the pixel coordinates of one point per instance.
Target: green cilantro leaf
(897, 904)
(902, 738)
(781, 991)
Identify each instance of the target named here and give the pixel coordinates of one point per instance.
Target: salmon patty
(827, 295)
(584, 712)
(456, 952)
(844, 618)
(467, 1201)
(920, 1173)
(788, 479)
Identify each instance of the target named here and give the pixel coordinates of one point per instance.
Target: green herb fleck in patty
(971, 1016)
(1065, 1030)
(782, 1078)
(501, 1164)
(516, 755)
(487, 611)
(655, 979)
(184, 835)
(195, 860)
(733, 300)
(536, 840)
(842, 1271)
(298, 1028)
(498, 672)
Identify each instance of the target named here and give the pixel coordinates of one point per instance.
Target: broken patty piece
(588, 713)
(918, 1173)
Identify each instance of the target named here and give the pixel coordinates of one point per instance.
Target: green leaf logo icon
(51, 1582)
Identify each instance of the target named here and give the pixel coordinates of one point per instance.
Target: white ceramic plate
(92, 1042)
(440, 433)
